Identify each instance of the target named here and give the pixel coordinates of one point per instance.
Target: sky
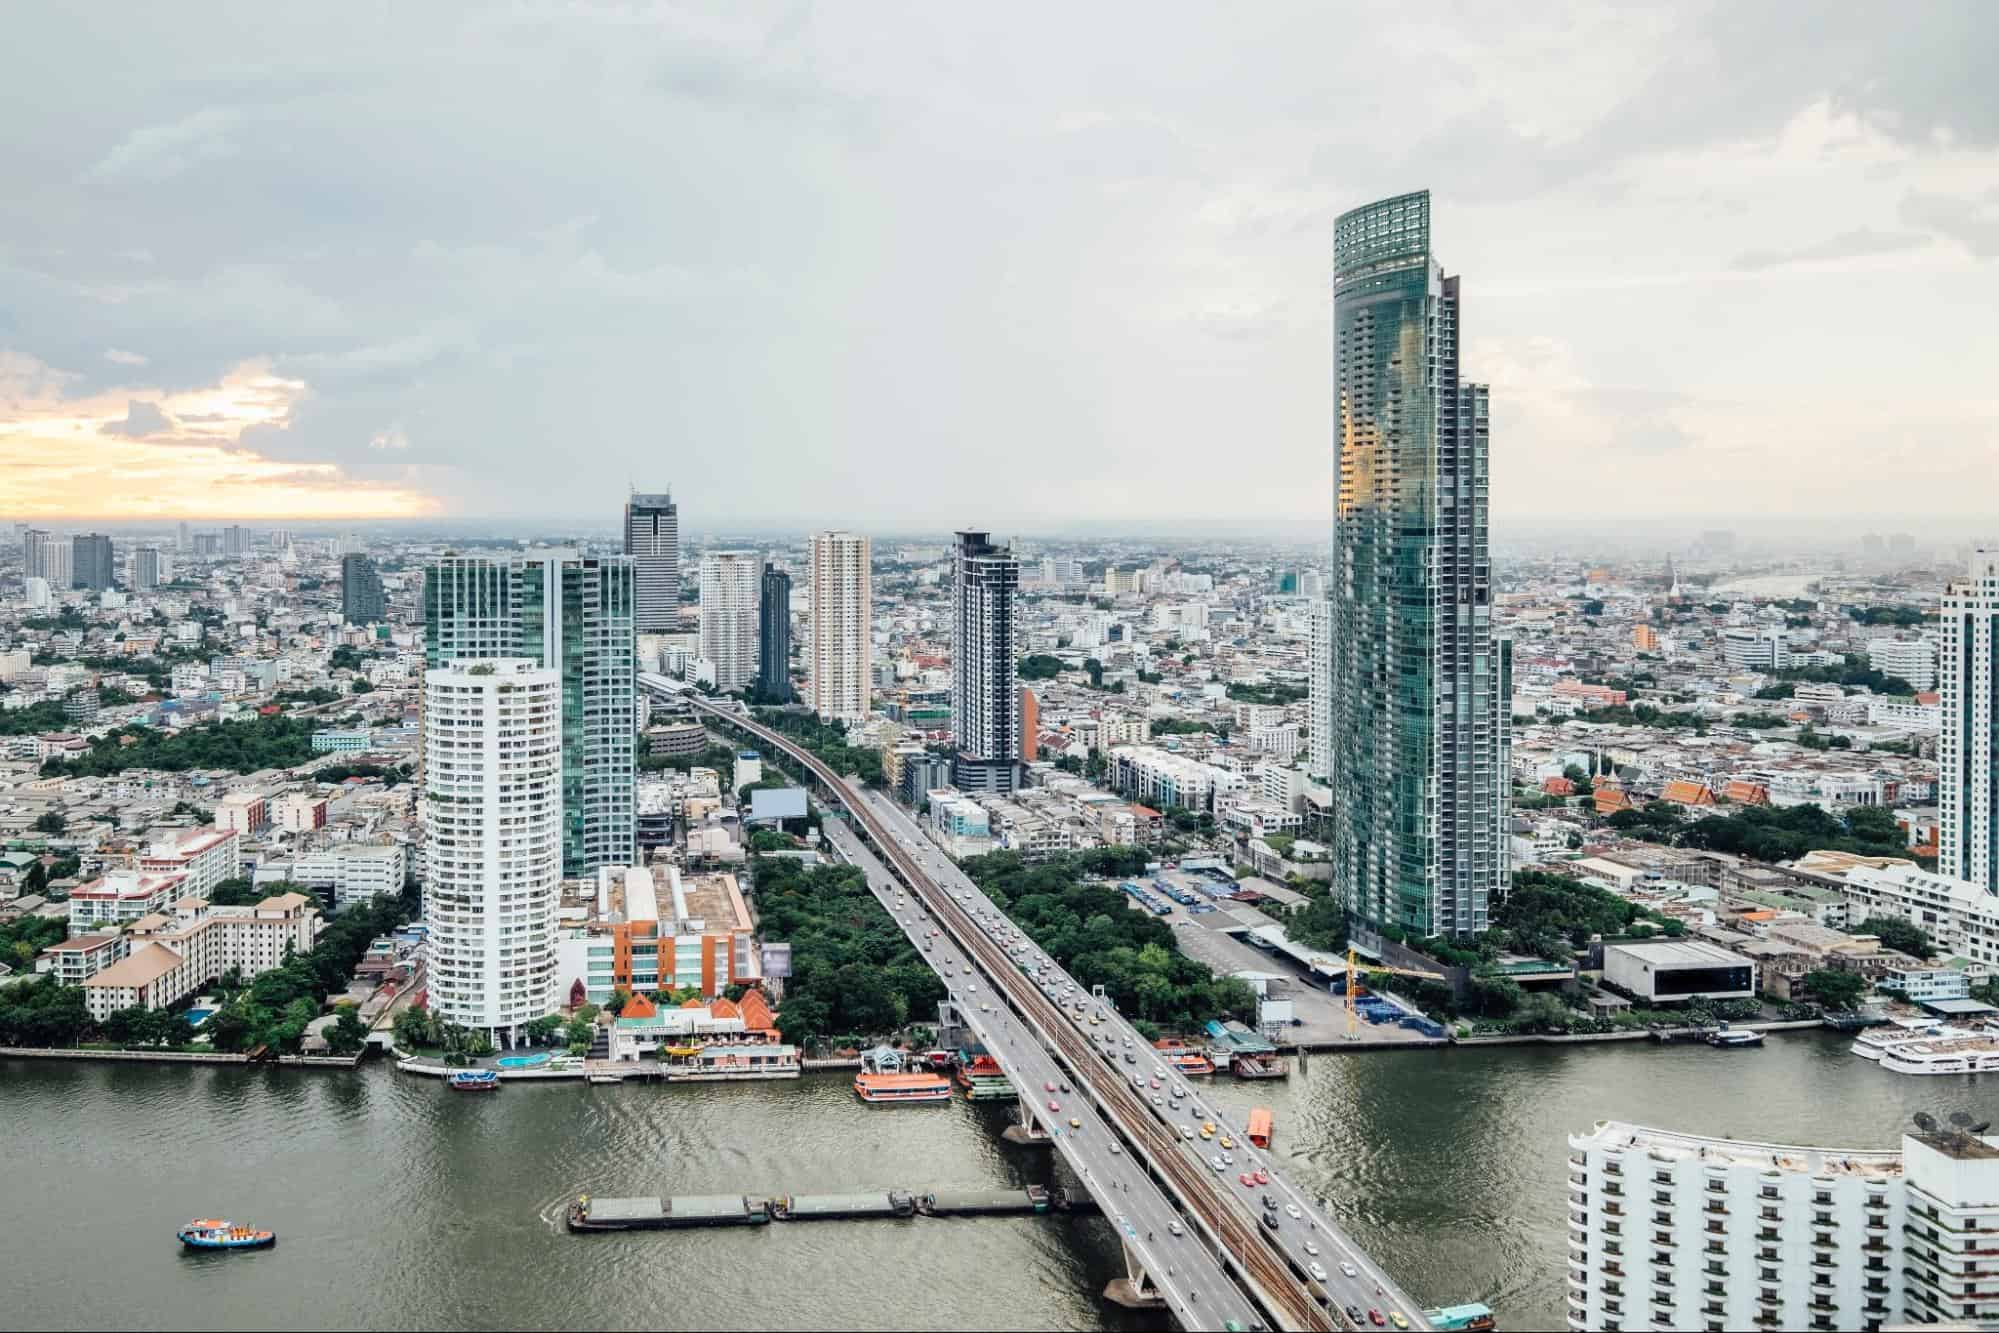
(942, 265)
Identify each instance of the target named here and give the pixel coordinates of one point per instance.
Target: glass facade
(574, 614)
(1418, 710)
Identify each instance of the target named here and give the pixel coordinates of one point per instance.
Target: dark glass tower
(1419, 685)
(361, 599)
(774, 636)
(652, 540)
(985, 653)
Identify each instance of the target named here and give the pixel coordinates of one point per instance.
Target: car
(1353, 1313)
(1269, 1203)
(1116, 1151)
(1262, 1176)
(1159, 1070)
(1158, 1101)
(1054, 1105)
(1130, 1059)
(1349, 1270)
(1227, 1142)
(1316, 1271)
(1049, 1086)
(1186, 1131)
(1207, 1127)
(1065, 1087)
(1246, 1179)
(1270, 1220)
(1074, 1123)
(1217, 1163)
(1155, 1085)
(1174, 1227)
(985, 1008)
(1292, 1209)
(1395, 1318)
(1374, 1317)
(1311, 1249)
(1179, 1091)
(1230, 1159)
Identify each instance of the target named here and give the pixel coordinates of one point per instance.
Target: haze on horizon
(887, 267)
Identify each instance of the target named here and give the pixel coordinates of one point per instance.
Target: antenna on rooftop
(1925, 1122)
(1960, 1119)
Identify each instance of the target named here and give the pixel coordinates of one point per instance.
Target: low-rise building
(353, 872)
(121, 896)
(1959, 916)
(1921, 984)
(81, 957)
(173, 955)
(1678, 971)
(651, 929)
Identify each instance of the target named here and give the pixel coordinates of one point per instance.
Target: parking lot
(1204, 936)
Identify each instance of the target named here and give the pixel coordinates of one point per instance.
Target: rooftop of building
(1669, 1145)
(1680, 953)
(139, 969)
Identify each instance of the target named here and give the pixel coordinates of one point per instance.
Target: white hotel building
(1961, 918)
(492, 802)
(1679, 1231)
(1967, 777)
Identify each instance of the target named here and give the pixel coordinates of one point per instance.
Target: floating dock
(591, 1213)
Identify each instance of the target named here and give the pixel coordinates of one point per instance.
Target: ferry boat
(886, 1078)
(1259, 1126)
(1187, 1059)
(215, 1233)
(983, 1080)
(1901, 1032)
(474, 1080)
(1950, 1055)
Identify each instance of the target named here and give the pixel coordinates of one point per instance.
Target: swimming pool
(196, 1017)
(521, 1061)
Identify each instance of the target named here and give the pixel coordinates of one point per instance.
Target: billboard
(777, 803)
(777, 961)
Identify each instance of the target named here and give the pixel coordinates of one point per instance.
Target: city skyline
(1144, 244)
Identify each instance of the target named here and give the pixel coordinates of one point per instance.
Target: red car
(1054, 1105)
(1246, 1179)
(1374, 1317)
(1262, 1177)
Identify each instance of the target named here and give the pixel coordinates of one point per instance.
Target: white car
(1174, 1227)
(1186, 1131)
(1349, 1270)
(1116, 1151)
(1317, 1271)
(1292, 1210)
(1311, 1249)
(1218, 1164)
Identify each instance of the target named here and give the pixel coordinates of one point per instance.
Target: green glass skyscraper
(572, 613)
(1420, 687)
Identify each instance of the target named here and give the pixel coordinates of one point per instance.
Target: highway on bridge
(1274, 1260)
(1179, 1264)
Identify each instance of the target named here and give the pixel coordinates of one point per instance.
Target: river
(401, 1204)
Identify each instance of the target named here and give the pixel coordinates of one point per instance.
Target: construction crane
(1353, 1014)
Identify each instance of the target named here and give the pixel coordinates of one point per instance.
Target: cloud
(161, 152)
(1862, 242)
(1973, 224)
(117, 356)
(141, 420)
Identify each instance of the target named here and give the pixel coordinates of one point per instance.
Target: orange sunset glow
(140, 452)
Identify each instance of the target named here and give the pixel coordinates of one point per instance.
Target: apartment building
(121, 896)
(203, 856)
(174, 954)
(1681, 1231)
(655, 929)
(1960, 917)
(353, 872)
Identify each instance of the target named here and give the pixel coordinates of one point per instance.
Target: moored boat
(217, 1233)
(474, 1080)
(1189, 1060)
(885, 1077)
(1728, 1039)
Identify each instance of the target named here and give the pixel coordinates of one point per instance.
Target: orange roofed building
(1744, 792)
(1680, 791)
(653, 930)
(1610, 798)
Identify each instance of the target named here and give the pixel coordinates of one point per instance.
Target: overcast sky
(933, 265)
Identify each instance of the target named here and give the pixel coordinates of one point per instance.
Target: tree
(1040, 666)
(361, 685)
(1834, 990)
(54, 821)
(348, 1034)
(1899, 934)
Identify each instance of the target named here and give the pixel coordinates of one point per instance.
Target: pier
(592, 1213)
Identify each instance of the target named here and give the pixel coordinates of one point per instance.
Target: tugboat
(215, 1233)
(474, 1080)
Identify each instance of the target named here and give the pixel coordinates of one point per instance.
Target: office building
(729, 582)
(1967, 779)
(352, 872)
(841, 644)
(1680, 1231)
(361, 598)
(91, 562)
(652, 540)
(207, 544)
(985, 653)
(572, 614)
(236, 540)
(493, 760)
(1420, 686)
(648, 930)
(774, 636)
(143, 574)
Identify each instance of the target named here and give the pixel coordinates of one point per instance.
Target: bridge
(1238, 1261)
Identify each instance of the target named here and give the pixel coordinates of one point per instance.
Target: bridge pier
(1135, 1290)
(1028, 1131)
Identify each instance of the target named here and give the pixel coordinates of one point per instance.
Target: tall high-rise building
(1420, 684)
(236, 540)
(1319, 693)
(774, 636)
(361, 598)
(729, 616)
(207, 543)
(493, 813)
(143, 574)
(841, 644)
(35, 546)
(652, 540)
(91, 562)
(1967, 778)
(573, 614)
(985, 651)
(180, 536)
